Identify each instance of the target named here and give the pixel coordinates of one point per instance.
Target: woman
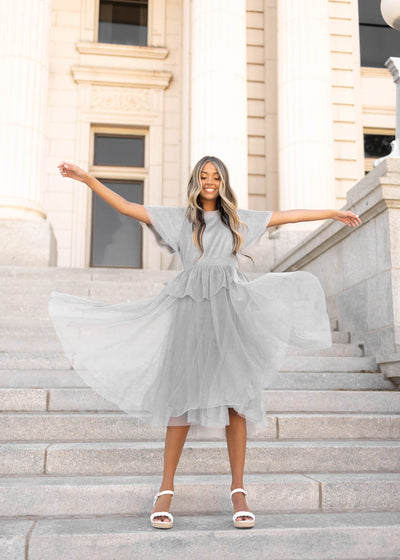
(201, 352)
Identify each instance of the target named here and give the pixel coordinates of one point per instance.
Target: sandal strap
(243, 514)
(238, 490)
(162, 494)
(162, 514)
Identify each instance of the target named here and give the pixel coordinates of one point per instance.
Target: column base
(27, 243)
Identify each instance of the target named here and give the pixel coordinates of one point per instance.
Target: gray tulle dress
(212, 339)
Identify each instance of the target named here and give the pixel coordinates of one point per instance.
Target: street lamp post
(390, 10)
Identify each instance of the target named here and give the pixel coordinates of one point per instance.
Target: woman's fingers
(349, 218)
(65, 168)
(68, 169)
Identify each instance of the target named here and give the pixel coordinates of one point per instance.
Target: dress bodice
(217, 268)
(217, 243)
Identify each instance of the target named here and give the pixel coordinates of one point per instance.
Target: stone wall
(359, 268)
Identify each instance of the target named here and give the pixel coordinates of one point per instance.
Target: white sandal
(162, 524)
(243, 524)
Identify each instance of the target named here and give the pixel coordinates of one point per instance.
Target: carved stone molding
(103, 98)
(132, 51)
(121, 77)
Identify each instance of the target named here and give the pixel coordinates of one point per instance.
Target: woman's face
(210, 182)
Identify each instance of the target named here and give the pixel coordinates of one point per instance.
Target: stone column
(218, 87)
(306, 159)
(24, 35)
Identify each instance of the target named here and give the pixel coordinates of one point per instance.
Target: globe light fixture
(390, 10)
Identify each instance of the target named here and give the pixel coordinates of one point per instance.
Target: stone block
(357, 492)
(141, 458)
(20, 360)
(130, 495)
(359, 255)
(337, 350)
(322, 268)
(379, 301)
(364, 536)
(326, 426)
(353, 314)
(385, 242)
(22, 458)
(22, 399)
(13, 534)
(323, 363)
(78, 399)
(76, 427)
(40, 378)
(332, 401)
(390, 366)
(31, 344)
(333, 381)
(27, 243)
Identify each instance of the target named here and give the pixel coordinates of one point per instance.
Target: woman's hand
(347, 217)
(73, 171)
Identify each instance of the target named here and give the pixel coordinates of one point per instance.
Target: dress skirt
(210, 341)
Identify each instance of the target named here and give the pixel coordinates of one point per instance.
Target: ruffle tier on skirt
(212, 339)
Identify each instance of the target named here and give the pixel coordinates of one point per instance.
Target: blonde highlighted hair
(226, 204)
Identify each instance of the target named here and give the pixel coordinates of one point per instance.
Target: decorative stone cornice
(131, 51)
(121, 77)
(378, 110)
(370, 72)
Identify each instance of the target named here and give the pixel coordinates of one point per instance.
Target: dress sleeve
(257, 222)
(166, 225)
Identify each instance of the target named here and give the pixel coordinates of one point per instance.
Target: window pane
(377, 44)
(378, 41)
(123, 22)
(126, 151)
(377, 145)
(116, 239)
(369, 11)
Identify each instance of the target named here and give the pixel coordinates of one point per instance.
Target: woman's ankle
(166, 485)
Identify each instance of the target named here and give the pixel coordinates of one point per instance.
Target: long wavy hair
(226, 204)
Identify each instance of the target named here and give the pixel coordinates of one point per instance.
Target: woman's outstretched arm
(119, 203)
(291, 216)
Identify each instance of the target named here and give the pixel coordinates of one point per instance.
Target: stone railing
(359, 268)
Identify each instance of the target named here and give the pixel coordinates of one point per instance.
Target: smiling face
(210, 181)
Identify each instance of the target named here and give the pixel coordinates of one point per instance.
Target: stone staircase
(77, 476)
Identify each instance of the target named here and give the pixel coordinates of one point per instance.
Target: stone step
(337, 350)
(85, 399)
(146, 458)
(38, 360)
(286, 380)
(47, 332)
(81, 427)
(331, 364)
(39, 308)
(52, 345)
(39, 293)
(45, 496)
(312, 536)
(19, 274)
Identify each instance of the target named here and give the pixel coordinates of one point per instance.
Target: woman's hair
(226, 204)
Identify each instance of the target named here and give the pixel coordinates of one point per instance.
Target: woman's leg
(236, 438)
(174, 441)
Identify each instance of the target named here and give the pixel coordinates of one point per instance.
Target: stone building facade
(276, 88)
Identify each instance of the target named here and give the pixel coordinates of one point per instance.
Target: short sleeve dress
(212, 339)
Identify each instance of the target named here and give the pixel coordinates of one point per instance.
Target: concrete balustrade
(360, 268)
